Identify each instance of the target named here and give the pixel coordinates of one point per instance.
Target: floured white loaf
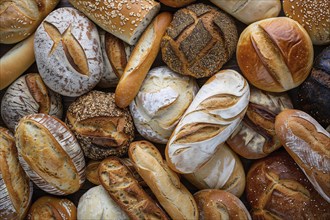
(211, 118)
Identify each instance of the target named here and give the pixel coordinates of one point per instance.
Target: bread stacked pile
(139, 109)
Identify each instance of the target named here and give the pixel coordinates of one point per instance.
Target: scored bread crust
(126, 191)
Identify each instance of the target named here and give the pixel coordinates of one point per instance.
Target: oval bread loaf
(211, 118)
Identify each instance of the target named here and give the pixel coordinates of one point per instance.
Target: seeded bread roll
(16, 188)
(124, 19)
(101, 128)
(199, 40)
(313, 15)
(50, 154)
(29, 95)
(19, 19)
(275, 54)
(48, 207)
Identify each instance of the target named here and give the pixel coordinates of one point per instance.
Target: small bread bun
(92, 170)
(275, 54)
(313, 15)
(176, 3)
(48, 207)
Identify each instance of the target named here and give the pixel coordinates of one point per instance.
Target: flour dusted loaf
(211, 118)
(50, 154)
(255, 137)
(16, 188)
(163, 98)
(101, 128)
(29, 95)
(199, 40)
(68, 52)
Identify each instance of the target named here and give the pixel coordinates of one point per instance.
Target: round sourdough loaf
(50, 154)
(275, 54)
(29, 95)
(68, 52)
(199, 40)
(16, 188)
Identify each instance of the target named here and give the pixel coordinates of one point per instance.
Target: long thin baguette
(142, 57)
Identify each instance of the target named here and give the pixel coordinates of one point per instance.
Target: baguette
(163, 182)
(10, 69)
(141, 59)
(125, 190)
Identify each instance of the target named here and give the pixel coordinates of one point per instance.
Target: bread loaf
(50, 154)
(275, 54)
(101, 128)
(16, 188)
(126, 192)
(308, 143)
(176, 3)
(211, 118)
(141, 59)
(172, 195)
(19, 19)
(68, 52)
(255, 137)
(125, 19)
(163, 98)
(29, 95)
(92, 172)
(199, 40)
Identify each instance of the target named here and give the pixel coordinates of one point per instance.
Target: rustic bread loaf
(68, 52)
(163, 98)
(199, 40)
(277, 189)
(126, 191)
(255, 137)
(16, 188)
(308, 143)
(176, 3)
(48, 207)
(19, 19)
(50, 154)
(101, 128)
(125, 19)
(172, 195)
(275, 54)
(29, 95)
(92, 171)
(211, 118)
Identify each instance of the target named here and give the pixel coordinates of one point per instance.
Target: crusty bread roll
(125, 190)
(176, 3)
(199, 40)
(48, 207)
(163, 98)
(141, 59)
(313, 15)
(172, 195)
(92, 171)
(19, 19)
(68, 52)
(50, 154)
(16, 188)
(223, 171)
(124, 19)
(101, 128)
(275, 54)
(219, 204)
(277, 189)
(96, 204)
(249, 11)
(255, 137)
(29, 95)
(308, 143)
(211, 118)
(10, 68)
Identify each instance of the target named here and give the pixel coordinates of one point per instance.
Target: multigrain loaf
(199, 40)
(125, 190)
(165, 184)
(16, 188)
(211, 118)
(50, 154)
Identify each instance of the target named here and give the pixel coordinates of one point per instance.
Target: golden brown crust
(92, 172)
(177, 3)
